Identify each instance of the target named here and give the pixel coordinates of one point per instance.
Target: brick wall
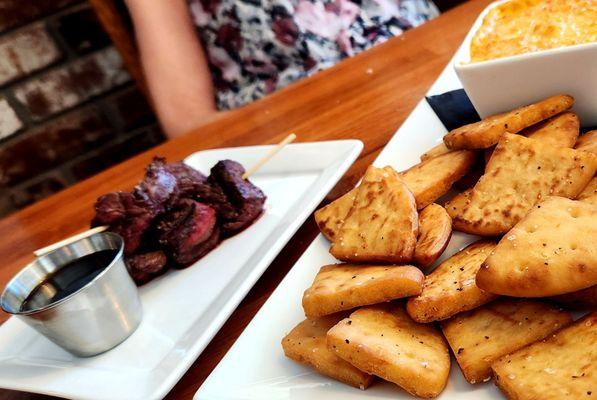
(68, 108)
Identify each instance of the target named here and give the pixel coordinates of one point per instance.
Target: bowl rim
(118, 256)
(462, 57)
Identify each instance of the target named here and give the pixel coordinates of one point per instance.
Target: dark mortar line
(67, 55)
(21, 110)
(108, 106)
(30, 130)
(58, 114)
(61, 60)
(38, 178)
(98, 102)
(119, 138)
(65, 63)
(110, 115)
(51, 24)
(42, 17)
(52, 29)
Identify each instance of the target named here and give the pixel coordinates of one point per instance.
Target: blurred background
(72, 97)
(68, 106)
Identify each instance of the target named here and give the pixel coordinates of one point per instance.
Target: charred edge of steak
(189, 181)
(157, 187)
(245, 220)
(135, 220)
(145, 267)
(131, 214)
(192, 255)
(171, 219)
(193, 184)
(246, 198)
(186, 229)
(109, 208)
(212, 194)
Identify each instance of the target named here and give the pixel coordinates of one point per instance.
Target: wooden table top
(366, 97)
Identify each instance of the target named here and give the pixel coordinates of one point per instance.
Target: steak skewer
(176, 215)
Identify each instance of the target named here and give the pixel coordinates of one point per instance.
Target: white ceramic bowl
(502, 84)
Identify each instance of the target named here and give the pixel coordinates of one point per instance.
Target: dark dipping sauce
(68, 279)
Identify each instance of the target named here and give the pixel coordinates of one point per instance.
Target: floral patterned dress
(255, 47)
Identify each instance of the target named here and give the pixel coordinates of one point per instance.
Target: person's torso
(257, 46)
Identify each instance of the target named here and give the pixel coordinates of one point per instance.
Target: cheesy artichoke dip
(524, 26)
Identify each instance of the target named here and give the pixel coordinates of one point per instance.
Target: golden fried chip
(561, 130)
(563, 366)
(345, 286)
(551, 251)
(384, 341)
(520, 173)
(587, 142)
(458, 203)
(331, 217)
(435, 151)
(486, 133)
(431, 179)
(589, 193)
(481, 336)
(382, 225)
(435, 230)
(306, 344)
(451, 288)
(591, 199)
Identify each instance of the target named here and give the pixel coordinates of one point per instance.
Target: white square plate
(184, 309)
(255, 368)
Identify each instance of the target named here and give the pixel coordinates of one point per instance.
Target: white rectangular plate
(184, 309)
(255, 367)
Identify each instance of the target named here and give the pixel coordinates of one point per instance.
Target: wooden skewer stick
(288, 139)
(69, 240)
(40, 252)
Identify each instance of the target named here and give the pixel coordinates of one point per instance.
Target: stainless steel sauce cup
(92, 320)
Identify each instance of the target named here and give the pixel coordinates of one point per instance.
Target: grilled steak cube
(246, 198)
(145, 267)
(184, 229)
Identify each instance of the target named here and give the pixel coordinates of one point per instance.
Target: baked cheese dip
(524, 26)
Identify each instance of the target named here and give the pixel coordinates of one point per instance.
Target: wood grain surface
(366, 97)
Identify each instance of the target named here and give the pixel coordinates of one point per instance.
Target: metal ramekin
(92, 320)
